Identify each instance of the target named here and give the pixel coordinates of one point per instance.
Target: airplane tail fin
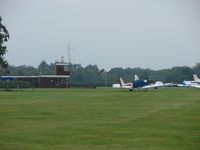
(121, 82)
(136, 77)
(195, 77)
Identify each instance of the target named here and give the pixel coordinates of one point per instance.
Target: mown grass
(100, 119)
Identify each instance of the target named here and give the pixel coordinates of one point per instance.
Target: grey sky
(110, 33)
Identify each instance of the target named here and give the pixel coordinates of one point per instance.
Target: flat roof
(62, 64)
(39, 76)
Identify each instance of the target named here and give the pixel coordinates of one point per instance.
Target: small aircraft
(189, 84)
(194, 84)
(138, 84)
(123, 85)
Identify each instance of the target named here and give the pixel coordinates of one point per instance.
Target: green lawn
(99, 119)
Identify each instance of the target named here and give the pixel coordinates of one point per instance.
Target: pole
(105, 78)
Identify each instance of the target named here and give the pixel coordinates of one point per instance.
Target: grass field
(100, 119)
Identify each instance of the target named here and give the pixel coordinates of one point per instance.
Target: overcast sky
(152, 34)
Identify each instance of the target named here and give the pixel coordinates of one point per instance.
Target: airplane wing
(156, 85)
(195, 86)
(197, 82)
(170, 85)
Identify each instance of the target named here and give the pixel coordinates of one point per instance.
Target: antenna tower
(69, 53)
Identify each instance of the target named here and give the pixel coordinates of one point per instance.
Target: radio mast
(69, 53)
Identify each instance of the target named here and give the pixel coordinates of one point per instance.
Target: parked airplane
(125, 85)
(138, 84)
(189, 84)
(195, 83)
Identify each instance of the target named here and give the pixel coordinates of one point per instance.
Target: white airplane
(189, 84)
(123, 85)
(194, 84)
(138, 84)
(128, 85)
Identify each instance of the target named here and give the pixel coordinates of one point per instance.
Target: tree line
(93, 75)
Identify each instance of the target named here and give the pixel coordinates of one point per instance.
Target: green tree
(23, 70)
(4, 36)
(45, 68)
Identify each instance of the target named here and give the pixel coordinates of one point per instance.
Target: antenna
(69, 53)
(56, 57)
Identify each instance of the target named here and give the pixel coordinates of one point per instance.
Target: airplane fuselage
(139, 83)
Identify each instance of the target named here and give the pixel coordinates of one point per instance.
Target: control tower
(63, 69)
